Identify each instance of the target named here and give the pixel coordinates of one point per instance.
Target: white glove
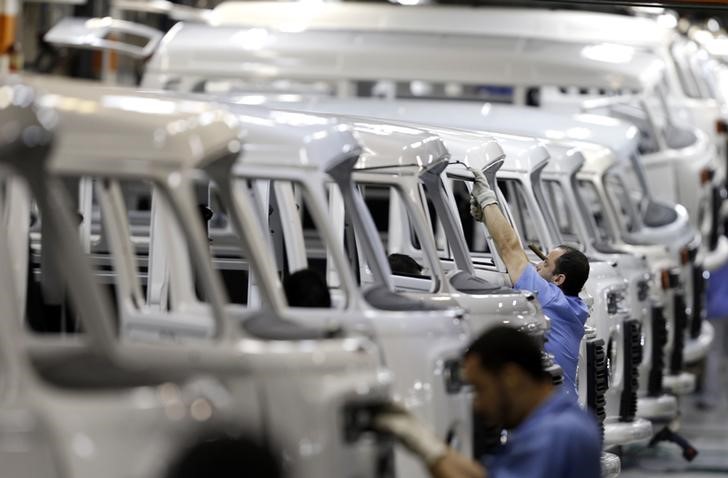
(475, 210)
(482, 192)
(413, 434)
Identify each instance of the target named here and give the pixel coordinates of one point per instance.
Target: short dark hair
(306, 288)
(501, 345)
(575, 267)
(224, 456)
(404, 264)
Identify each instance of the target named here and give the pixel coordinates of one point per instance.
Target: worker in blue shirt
(556, 281)
(550, 435)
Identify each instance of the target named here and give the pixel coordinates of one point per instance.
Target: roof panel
(118, 129)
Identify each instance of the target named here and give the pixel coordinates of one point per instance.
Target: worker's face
(546, 267)
(492, 398)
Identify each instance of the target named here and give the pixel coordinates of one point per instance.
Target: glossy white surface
(565, 26)
(193, 52)
(268, 386)
(303, 153)
(660, 408)
(149, 131)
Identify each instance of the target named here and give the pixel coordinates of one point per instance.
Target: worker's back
(568, 315)
(558, 439)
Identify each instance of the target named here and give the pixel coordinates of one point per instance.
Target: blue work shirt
(717, 294)
(557, 440)
(568, 316)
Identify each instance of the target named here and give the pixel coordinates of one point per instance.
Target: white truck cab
(641, 397)
(267, 371)
(579, 129)
(462, 148)
(289, 165)
(75, 406)
(580, 44)
(541, 66)
(525, 69)
(520, 181)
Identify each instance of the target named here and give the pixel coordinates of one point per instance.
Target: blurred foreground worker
(550, 436)
(556, 281)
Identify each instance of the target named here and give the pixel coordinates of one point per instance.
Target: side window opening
(301, 249)
(472, 230)
(228, 257)
(622, 199)
(563, 215)
(595, 209)
(438, 230)
(378, 200)
(522, 215)
(648, 142)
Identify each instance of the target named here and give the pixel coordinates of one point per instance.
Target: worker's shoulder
(546, 292)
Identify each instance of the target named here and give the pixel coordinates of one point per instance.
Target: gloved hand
(482, 192)
(413, 434)
(475, 210)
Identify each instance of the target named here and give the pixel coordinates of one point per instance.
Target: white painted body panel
(293, 391)
(416, 346)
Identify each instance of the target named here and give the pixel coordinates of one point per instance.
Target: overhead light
(667, 21)
(713, 25)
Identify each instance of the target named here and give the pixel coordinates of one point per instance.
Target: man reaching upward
(556, 281)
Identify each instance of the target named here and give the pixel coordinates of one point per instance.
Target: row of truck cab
(147, 231)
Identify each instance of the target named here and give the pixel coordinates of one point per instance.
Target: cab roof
(393, 148)
(620, 136)
(563, 25)
(266, 53)
(292, 139)
(119, 131)
(456, 123)
(473, 149)
(523, 154)
(468, 146)
(565, 159)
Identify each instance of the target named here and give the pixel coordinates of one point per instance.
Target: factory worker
(550, 435)
(556, 281)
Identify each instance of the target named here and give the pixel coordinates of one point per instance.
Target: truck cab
(265, 363)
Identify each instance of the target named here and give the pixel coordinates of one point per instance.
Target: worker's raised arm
(484, 207)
